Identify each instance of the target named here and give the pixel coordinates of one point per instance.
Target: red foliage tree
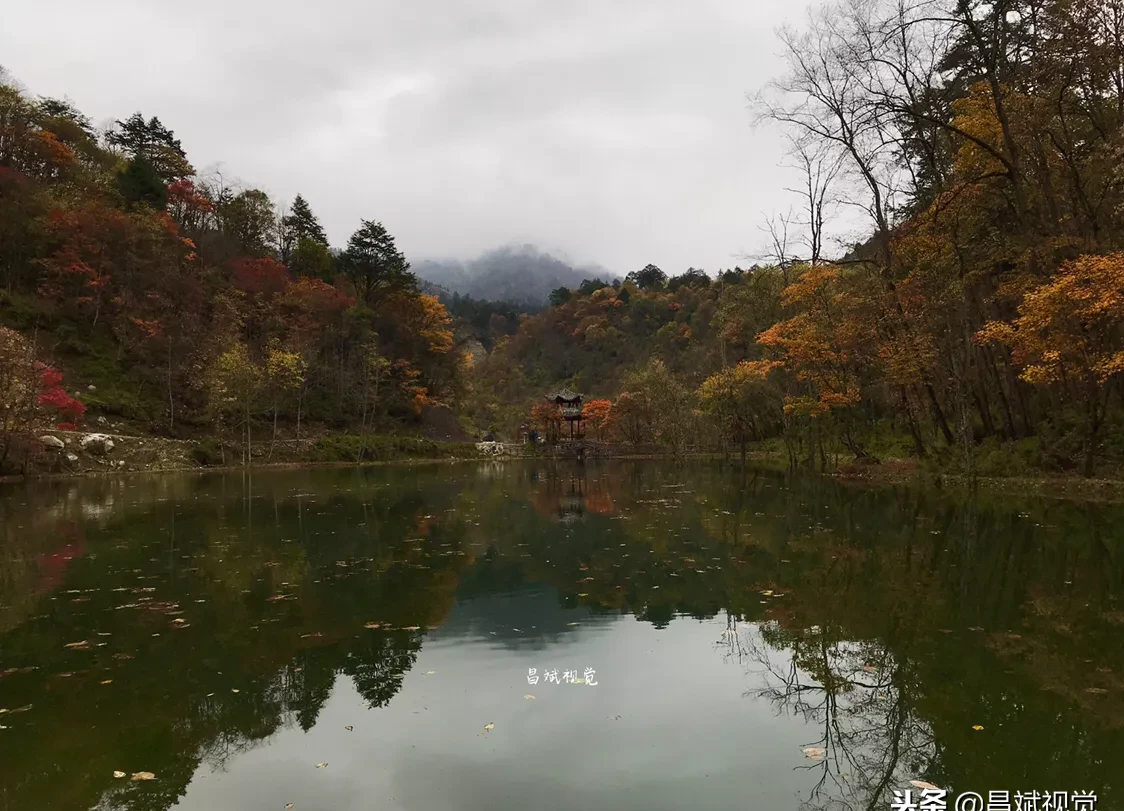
(188, 205)
(90, 244)
(54, 399)
(264, 278)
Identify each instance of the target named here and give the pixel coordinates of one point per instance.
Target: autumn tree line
(190, 304)
(979, 317)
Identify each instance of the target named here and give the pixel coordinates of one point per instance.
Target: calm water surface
(213, 631)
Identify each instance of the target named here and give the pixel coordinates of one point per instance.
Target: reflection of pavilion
(570, 497)
(571, 505)
(561, 498)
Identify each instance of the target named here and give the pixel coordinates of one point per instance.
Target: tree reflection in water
(885, 618)
(871, 740)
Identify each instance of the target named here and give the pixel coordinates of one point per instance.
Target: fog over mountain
(522, 274)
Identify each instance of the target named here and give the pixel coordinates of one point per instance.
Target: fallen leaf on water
(430, 672)
(1097, 691)
(583, 595)
(107, 681)
(179, 621)
(234, 690)
(974, 628)
(529, 697)
(614, 717)
(349, 728)
(374, 626)
(321, 765)
(489, 726)
(814, 752)
(118, 775)
(143, 776)
(83, 645)
(288, 805)
(977, 727)
(923, 784)
(571, 623)
(412, 628)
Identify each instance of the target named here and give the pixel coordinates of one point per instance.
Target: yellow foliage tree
(284, 373)
(234, 386)
(739, 398)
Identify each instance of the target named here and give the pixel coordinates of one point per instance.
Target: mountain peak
(522, 274)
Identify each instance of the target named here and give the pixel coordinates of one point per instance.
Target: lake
(700, 638)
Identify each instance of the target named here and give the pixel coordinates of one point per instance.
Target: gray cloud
(616, 132)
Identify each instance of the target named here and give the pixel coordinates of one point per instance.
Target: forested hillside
(975, 318)
(186, 305)
(981, 320)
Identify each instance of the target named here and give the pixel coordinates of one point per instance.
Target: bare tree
(819, 166)
(777, 226)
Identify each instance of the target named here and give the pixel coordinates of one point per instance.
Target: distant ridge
(521, 274)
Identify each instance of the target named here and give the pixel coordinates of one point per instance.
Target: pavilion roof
(565, 395)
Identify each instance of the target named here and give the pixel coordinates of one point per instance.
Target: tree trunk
(984, 409)
(914, 431)
(300, 401)
(273, 439)
(171, 400)
(1092, 430)
(938, 415)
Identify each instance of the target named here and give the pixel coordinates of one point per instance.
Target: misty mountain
(521, 274)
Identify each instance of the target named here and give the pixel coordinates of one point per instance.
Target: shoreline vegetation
(141, 455)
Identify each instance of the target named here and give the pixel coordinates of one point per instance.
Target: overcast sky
(615, 131)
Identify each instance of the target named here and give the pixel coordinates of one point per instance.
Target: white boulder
(96, 443)
(52, 442)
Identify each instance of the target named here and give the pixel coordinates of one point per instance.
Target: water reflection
(184, 622)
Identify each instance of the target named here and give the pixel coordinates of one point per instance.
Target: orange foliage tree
(1069, 335)
(596, 413)
(547, 418)
(826, 346)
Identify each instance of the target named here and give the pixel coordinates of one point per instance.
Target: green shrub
(374, 448)
(1019, 458)
(207, 452)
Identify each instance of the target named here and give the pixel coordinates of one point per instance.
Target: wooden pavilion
(570, 407)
